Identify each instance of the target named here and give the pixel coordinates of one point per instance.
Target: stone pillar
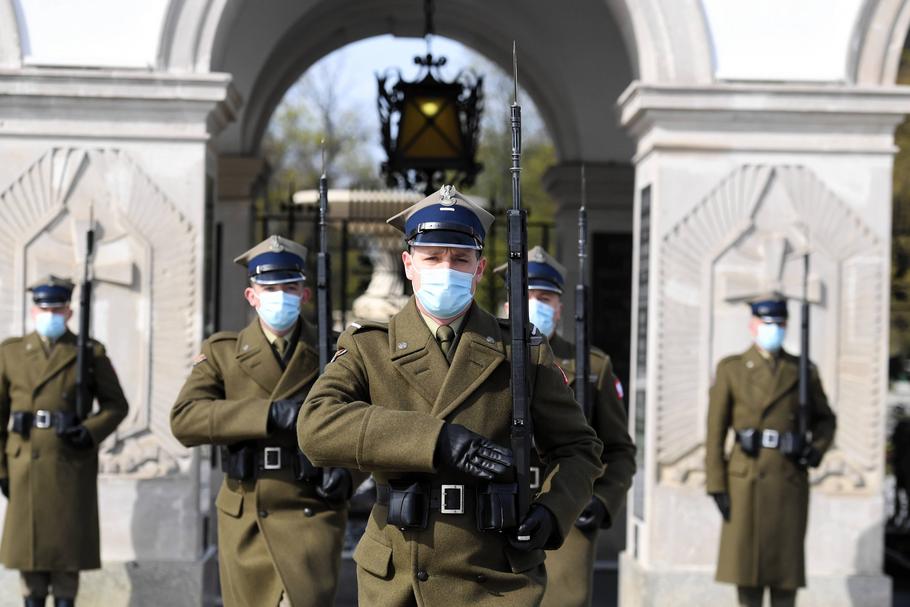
(733, 182)
(237, 176)
(133, 146)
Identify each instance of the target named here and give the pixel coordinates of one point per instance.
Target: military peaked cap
(275, 260)
(770, 308)
(544, 272)
(444, 219)
(52, 291)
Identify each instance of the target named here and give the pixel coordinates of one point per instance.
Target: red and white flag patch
(618, 386)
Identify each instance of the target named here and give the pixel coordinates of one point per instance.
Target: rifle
(582, 337)
(520, 430)
(84, 353)
(323, 293)
(803, 415)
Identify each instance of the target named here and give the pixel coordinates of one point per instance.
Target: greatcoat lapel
(415, 353)
(302, 368)
(254, 355)
(785, 377)
(62, 355)
(35, 357)
(479, 352)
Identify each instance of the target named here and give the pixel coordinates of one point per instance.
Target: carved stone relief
(747, 237)
(145, 275)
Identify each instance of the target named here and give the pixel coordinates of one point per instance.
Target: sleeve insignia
(339, 354)
(565, 378)
(618, 386)
(200, 358)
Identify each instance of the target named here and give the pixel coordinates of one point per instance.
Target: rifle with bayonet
(582, 336)
(520, 430)
(84, 352)
(803, 419)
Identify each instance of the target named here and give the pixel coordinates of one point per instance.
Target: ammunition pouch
(408, 504)
(306, 472)
(749, 441)
(497, 507)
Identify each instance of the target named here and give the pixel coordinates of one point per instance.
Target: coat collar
(255, 356)
(479, 351)
(771, 384)
(61, 356)
(303, 366)
(415, 354)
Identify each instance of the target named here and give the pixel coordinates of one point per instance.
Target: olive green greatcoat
(52, 516)
(570, 570)
(274, 534)
(762, 544)
(380, 407)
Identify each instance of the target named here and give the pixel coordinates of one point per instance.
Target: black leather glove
(336, 487)
(723, 504)
(459, 449)
(283, 415)
(4, 487)
(78, 437)
(810, 457)
(593, 516)
(535, 531)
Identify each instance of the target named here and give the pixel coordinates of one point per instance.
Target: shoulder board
(537, 338)
(222, 336)
(10, 341)
(365, 325)
(599, 354)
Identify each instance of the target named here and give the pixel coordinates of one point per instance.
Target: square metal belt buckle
(770, 439)
(43, 419)
(451, 499)
(272, 458)
(535, 477)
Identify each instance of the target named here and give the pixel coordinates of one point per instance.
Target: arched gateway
(711, 131)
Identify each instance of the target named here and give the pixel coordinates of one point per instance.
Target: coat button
(263, 513)
(481, 578)
(422, 575)
(307, 512)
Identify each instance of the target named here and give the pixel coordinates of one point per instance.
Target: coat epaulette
(365, 325)
(9, 341)
(222, 336)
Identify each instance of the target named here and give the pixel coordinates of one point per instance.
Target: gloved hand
(4, 487)
(723, 504)
(336, 487)
(459, 449)
(810, 456)
(593, 516)
(535, 530)
(78, 437)
(283, 415)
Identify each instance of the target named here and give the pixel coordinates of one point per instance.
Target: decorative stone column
(733, 183)
(132, 147)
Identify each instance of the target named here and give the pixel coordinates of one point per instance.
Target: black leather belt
(447, 499)
(248, 462)
(768, 439)
(21, 422)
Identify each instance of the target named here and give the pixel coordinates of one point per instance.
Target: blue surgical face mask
(542, 315)
(770, 337)
(444, 292)
(278, 309)
(50, 325)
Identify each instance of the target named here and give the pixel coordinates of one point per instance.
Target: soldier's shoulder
(11, 342)
(365, 326)
(731, 362)
(536, 338)
(222, 341)
(599, 355)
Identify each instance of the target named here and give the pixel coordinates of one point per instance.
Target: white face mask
(445, 292)
(278, 309)
(543, 316)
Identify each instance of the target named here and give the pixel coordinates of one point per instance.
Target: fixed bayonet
(323, 267)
